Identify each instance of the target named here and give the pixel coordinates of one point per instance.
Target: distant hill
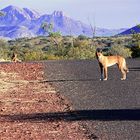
(135, 29)
(23, 22)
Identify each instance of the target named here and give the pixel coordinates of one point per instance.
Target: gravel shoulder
(33, 110)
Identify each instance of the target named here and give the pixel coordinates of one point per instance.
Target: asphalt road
(109, 110)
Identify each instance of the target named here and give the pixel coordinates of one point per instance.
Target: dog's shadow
(134, 68)
(77, 115)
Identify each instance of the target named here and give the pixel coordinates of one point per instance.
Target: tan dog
(107, 61)
(15, 58)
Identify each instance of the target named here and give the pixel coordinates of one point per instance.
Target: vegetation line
(68, 48)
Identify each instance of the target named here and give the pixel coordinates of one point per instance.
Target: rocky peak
(58, 14)
(32, 13)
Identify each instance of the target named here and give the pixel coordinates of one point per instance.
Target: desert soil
(31, 109)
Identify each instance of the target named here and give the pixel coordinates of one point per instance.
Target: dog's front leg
(105, 73)
(101, 69)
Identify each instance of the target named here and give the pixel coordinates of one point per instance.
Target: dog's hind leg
(123, 74)
(123, 69)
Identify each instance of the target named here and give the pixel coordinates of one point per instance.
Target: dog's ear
(99, 50)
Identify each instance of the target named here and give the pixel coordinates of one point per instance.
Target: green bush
(82, 37)
(135, 48)
(4, 50)
(34, 55)
(120, 50)
(53, 57)
(82, 53)
(82, 49)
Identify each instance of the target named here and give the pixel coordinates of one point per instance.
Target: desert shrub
(3, 43)
(27, 45)
(119, 50)
(4, 54)
(81, 43)
(135, 45)
(4, 50)
(53, 57)
(136, 50)
(82, 37)
(34, 55)
(55, 34)
(45, 49)
(83, 52)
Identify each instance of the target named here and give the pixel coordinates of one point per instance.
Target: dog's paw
(123, 79)
(105, 79)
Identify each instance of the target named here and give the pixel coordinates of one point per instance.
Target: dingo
(107, 61)
(15, 58)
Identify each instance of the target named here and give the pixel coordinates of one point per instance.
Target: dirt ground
(33, 110)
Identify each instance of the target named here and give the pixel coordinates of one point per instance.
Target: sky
(111, 14)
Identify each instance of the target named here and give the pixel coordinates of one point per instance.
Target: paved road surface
(109, 110)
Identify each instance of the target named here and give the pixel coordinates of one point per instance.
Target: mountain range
(135, 29)
(23, 22)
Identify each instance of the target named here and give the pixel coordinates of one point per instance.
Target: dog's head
(98, 52)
